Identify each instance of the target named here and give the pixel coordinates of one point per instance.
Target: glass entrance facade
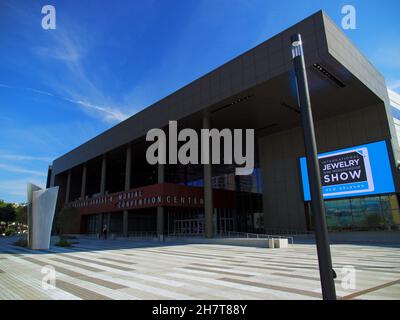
(190, 222)
(92, 223)
(365, 213)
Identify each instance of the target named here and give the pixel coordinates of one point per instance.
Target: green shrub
(63, 242)
(10, 231)
(21, 243)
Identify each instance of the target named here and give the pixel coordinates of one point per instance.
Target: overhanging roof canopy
(256, 90)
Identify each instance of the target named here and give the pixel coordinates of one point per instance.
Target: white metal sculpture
(41, 208)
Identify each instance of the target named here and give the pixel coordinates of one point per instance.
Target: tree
(7, 211)
(68, 220)
(21, 214)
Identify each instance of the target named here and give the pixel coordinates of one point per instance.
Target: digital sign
(356, 171)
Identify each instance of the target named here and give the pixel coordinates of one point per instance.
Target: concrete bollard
(271, 243)
(280, 243)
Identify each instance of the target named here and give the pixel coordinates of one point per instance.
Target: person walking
(105, 232)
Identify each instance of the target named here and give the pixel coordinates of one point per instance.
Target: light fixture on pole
(317, 201)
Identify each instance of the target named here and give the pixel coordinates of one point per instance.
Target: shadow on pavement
(84, 245)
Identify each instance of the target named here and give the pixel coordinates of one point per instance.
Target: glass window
(367, 213)
(340, 215)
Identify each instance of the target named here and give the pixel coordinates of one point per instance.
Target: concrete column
(83, 185)
(103, 175)
(160, 210)
(108, 222)
(185, 175)
(125, 223)
(235, 212)
(161, 173)
(100, 223)
(102, 190)
(128, 165)
(68, 187)
(160, 222)
(208, 199)
(234, 217)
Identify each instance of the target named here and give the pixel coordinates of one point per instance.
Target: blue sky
(107, 60)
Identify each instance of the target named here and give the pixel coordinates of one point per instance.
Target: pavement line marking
(274, 287)
(19, 287)
(117, 260)
(171, 293)
(84, 277)
(283, 268)
(266, 292)
(210, 265)
(295, 276)
(186, 253)
(138, 275)
(79, 291)
(267, 260)
(110, 265)
(216, 282)
(79, 265)
(369, 290)
(32, 282)
(79, 276)
(219, 272)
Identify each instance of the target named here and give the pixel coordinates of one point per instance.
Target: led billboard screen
(356, 171)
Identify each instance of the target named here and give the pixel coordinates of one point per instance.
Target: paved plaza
(111, 269)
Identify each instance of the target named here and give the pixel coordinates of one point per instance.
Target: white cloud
(109, 114)
(69, 49)
(387, 56)
(11, 168)
(394, 85)
(62, 63)
(16, 188)
(17, 157)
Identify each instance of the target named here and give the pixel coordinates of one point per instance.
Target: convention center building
(109, 181)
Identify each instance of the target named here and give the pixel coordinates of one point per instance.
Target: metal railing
(248, 235)
(115, 235)
(291, 232)
(141, 235)
(185, 234)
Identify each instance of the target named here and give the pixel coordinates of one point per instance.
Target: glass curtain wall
(366, 213)
(247, 215)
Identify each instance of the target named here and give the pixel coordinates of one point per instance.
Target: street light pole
(317, 201)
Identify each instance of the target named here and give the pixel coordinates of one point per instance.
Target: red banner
(157, 195)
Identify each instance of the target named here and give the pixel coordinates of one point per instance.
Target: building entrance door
(225, 221)
(189, 227)
(185, 221)
(192, 221)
